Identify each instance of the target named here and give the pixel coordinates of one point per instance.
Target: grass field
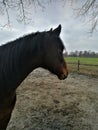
(85, 69)
(83, 60)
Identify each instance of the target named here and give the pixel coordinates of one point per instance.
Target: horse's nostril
(65, 76)
(62, 76)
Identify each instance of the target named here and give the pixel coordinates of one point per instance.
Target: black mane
(18, 40)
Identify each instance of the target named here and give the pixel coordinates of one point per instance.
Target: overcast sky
(74, 30)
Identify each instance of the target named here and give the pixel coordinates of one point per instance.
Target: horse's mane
(20, 46)
(12, 42)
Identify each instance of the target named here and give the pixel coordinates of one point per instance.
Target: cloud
(74, 30)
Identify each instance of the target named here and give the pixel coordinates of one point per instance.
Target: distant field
(82, 60)
(85, 69)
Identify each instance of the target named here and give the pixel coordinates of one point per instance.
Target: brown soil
(46, 103)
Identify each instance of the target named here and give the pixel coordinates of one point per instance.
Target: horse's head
(53, 54)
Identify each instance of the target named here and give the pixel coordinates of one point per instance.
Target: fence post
(78, 65)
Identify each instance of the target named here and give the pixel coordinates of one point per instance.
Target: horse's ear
(51, 30)
(57, 31)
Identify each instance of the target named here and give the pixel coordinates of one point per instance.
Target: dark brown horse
(18, 58)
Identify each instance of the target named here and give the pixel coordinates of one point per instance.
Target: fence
(83, 68)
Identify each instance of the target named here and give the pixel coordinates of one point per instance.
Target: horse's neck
(27, 62)
(20, 66)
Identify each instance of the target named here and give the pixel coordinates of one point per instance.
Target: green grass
(91, 70)
(82, 60)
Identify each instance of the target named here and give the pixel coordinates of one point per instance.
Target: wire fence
(80, 67)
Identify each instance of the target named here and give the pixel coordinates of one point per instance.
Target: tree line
(82, 54)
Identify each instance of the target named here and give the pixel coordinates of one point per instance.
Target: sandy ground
(46, 103)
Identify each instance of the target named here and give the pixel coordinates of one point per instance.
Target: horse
(20, 57)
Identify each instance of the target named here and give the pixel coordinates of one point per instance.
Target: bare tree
(90, 9)
(22, 9)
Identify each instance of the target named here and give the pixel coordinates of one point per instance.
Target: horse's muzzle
(63, 76)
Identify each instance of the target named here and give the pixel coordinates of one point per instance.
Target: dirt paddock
(46, 103)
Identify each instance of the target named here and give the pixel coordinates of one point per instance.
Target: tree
(83, 54)
(22, 8)
(80, 53)
(90, 9)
